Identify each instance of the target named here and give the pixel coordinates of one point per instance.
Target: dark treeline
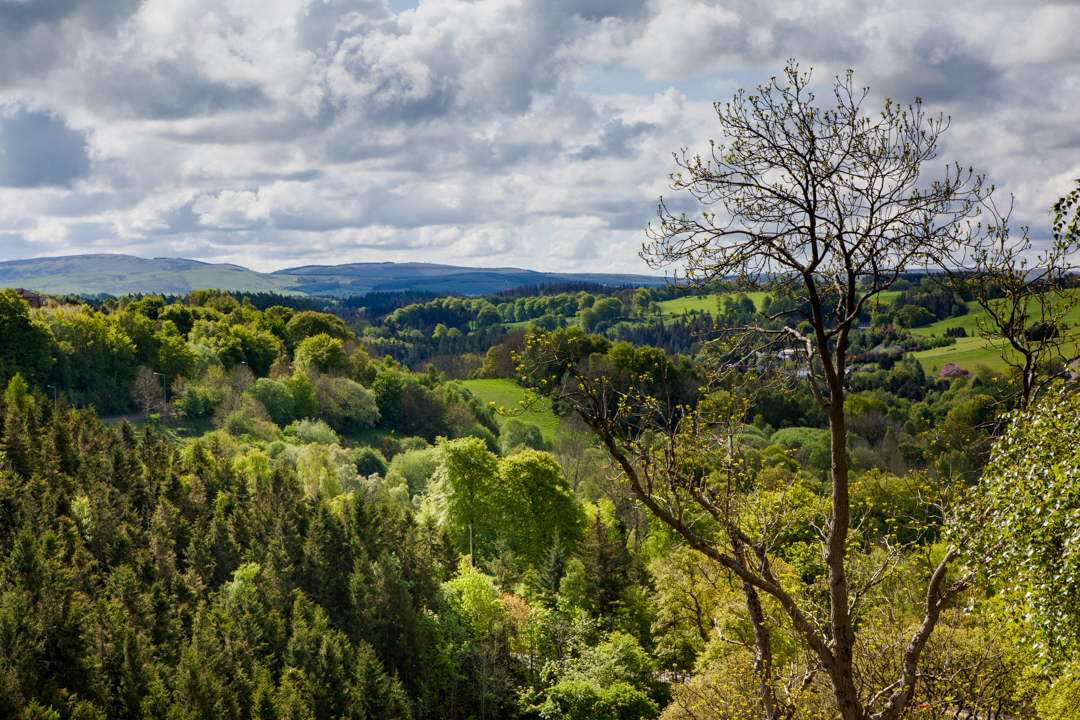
(559, 288)
(378, 304)
(678, 335)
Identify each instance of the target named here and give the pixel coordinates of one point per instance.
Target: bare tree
(829, 207)
(148, 390)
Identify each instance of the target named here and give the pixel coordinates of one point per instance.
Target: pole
(53, 396)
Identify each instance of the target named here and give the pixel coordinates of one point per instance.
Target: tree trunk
(841, 674)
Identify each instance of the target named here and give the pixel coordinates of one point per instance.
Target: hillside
(123, 274)
(358, 278)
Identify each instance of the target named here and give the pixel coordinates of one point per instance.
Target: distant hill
(359, 278)
(125, 274)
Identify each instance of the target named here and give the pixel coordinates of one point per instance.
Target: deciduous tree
(829, 206)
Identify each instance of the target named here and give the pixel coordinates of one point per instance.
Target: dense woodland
(324, 521)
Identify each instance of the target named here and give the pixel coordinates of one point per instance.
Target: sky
(524, 133)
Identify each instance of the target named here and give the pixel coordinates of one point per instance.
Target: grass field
(970, 351)
(507, 394)
(701, 302)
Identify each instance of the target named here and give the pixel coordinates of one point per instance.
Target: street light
(53, 396)
(164, 395)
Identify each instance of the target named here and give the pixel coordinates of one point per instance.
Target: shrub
(369, 461)
(276, 397)
(796, 437)
(516, 434)
(314, 431)
(346, 405)
(953, 370)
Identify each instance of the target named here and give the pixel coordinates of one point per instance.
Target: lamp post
(164, 396)
(53, 396)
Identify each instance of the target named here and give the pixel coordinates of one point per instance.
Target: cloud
(529, 132)
(38, 150)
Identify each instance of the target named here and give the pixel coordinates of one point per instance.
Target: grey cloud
(600, 9)
(172, 90)
(38, 150)
(36, 36)
(616, 140)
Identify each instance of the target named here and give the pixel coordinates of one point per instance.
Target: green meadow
(508, 395)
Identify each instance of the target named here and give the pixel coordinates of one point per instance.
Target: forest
(310, 527)
(830, 471)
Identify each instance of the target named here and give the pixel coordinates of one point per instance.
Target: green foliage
(1062, 699)
(537, 505)
(308, 324)
(467, 474)
(320, 352)
(416, 467)
(516, 434)
(611, 681)
(369, 461)
(275, 397)
(305, 403)
(607, 309)
(346, 405)
(25, 347)
(314, 431)
(1026, 517)
(797, 437)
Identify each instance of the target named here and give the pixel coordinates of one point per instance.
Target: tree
(148, 389)
(24, 346)
(1026, 517)
(275, 397)
(517, 434)
(309, 323)
(468, 474)
(537, 505)
(305, 404)
(345, 404)
(829, 207)
(320, 352)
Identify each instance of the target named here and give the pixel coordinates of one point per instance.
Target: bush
(369, 461)
(953, 370)
(276, 397)
(321, 352)
(314, 431)
(517, 434)
(415, 466)
(796, 437)
(346, 405)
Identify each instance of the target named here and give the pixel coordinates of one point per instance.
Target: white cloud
(286, 132)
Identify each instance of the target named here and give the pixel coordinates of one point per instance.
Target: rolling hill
(124, 274)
